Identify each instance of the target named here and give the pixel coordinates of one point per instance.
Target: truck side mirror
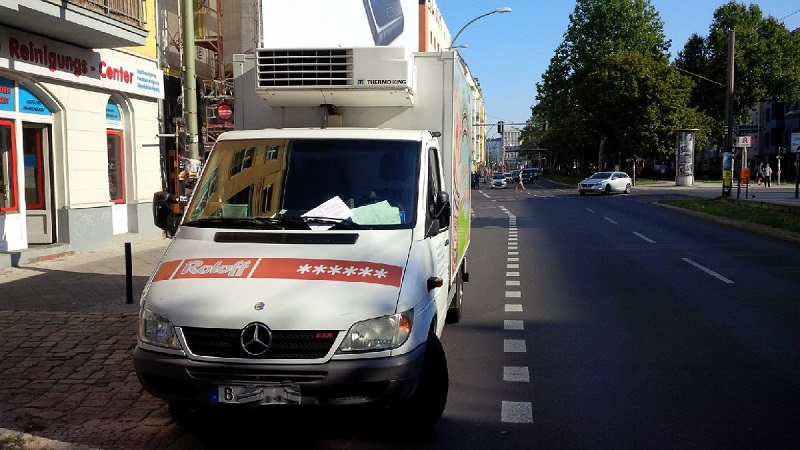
(443, 209)
(163, 215)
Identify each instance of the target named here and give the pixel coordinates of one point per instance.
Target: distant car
(499, 181)
(606, 183)
(529, 174)
(509, 177)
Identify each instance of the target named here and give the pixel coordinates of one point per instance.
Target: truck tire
(427, 404)
(185, 414)
(454, 311)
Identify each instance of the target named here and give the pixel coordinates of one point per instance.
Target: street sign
(744, 141)
(749, 129)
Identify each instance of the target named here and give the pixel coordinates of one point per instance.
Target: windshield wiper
(334, 222)
(237, 222)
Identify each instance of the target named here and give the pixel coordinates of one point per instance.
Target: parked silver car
(606, 183)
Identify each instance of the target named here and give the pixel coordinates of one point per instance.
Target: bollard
(128, 275)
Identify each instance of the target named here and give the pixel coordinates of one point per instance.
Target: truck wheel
(184, 414)
(426, 405)
(454, 311)
(430, 397)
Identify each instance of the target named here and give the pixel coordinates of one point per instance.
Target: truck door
(437, 231)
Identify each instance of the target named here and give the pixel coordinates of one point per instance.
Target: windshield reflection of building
(262, 178)
(243, 179)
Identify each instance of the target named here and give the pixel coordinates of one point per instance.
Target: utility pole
(189, 81)
(729, 114)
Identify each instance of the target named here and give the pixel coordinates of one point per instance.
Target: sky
(509, 52)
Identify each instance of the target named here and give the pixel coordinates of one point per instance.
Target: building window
(242, 159)
(8, 173)
(116, 167)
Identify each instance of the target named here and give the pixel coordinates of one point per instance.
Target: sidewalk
(67, 333)
(783, 194)
(93, 281)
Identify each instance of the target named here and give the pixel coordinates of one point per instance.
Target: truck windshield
(373, 181)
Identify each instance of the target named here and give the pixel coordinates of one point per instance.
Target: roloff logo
(222, 268)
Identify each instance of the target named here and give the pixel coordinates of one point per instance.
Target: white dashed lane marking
(514, 412)
(644, 237)
(708, 271)
(517, 412)
(514, 346)
(513, 325)
(516, 374)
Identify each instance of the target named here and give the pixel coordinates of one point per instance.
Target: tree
(766, 56)
(610, 86)
(645, 100)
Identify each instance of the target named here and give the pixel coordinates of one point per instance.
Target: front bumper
(357, 381)
(597, 188)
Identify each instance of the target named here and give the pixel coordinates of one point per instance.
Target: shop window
(8, 173)
(116, 167)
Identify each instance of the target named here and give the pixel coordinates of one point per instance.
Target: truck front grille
(225, 343)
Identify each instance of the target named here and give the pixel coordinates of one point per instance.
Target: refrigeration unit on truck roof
(363, 76)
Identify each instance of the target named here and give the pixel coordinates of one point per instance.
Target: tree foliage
(610, 88)
(766, 62)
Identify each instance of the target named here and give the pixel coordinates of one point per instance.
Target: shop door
(36, 152)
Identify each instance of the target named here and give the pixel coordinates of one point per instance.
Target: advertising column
(685, 158)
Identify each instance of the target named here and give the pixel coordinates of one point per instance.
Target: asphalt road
(640, 327)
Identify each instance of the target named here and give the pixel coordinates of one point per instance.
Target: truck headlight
(156, 329)
(382, 333)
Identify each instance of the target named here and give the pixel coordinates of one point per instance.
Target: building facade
(80, 91)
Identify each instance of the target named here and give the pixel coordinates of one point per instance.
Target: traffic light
(500, 127)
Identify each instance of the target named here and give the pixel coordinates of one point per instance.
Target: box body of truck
(321, 253)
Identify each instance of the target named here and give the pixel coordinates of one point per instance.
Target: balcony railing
(128, 11)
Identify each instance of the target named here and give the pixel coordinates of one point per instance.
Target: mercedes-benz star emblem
(256, 339)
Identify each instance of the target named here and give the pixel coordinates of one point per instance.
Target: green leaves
(610, 87)
(766, 61)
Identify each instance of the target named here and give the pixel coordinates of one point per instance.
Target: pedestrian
(519, 184)
(188, 176)
(767, 175)
(759, 174)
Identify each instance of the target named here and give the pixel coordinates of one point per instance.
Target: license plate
(256, 393)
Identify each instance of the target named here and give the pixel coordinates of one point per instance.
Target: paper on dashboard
(333, 208)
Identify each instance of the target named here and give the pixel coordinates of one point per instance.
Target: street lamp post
(504, 9)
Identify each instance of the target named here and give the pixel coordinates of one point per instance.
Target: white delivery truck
(321, 254)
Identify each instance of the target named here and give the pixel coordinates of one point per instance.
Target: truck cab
(310, 267)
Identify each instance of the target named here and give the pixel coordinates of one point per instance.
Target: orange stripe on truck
(281, 268)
